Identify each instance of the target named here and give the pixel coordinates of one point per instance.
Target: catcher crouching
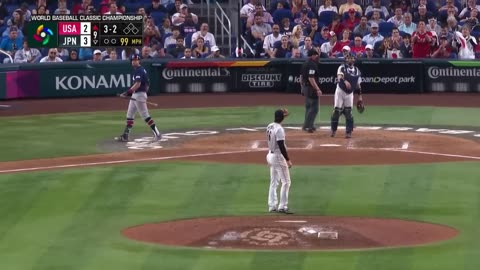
(349, 80)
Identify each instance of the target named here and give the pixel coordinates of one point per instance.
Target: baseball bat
(134, 99)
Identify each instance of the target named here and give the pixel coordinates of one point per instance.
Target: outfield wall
(70, 79)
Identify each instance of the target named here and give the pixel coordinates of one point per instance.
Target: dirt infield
(290, 232)
(93, 104)
(367, 147)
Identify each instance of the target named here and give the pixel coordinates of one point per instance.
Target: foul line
(432, 153)
(122, 161)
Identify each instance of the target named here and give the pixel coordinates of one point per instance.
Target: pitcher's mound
(292, 232)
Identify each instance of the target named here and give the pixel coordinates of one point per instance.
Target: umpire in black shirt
(310, 89)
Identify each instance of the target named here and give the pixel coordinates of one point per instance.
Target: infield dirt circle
(280, 231)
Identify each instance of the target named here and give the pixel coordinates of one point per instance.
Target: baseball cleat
(285, 211)
(272, 210)
(332, 134)
(348, 135)
(157, 138)
(122, 138)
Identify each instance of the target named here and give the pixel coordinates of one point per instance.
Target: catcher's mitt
(360, 106)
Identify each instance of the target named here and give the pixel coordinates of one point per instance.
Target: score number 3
(114, 29)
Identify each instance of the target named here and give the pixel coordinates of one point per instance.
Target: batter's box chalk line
(404, 146)
(255, 145)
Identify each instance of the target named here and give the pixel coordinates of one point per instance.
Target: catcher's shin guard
(348, 119)
(334, 119)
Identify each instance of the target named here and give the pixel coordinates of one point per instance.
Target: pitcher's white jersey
(279, 172)
(275, 132)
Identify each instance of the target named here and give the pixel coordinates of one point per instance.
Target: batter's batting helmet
(135, 56)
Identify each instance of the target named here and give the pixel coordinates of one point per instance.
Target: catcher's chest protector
(351, 75)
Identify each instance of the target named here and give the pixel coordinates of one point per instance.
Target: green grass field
(71, 219)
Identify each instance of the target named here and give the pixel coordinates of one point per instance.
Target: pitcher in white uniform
(279, 163)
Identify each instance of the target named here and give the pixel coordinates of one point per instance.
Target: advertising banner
(392, 76)
(85, 80)
(3, 86)
(195, 80)
(259, 79)
(377, 76)
(452, 76)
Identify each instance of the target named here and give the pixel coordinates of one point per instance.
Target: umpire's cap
(312, 52)
(135, 56)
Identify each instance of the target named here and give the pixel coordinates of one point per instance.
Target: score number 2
(114, 29)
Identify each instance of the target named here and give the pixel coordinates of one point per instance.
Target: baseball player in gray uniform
(279, 163)
(138, 103)
(349, 79)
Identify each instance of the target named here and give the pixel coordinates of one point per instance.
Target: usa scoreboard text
(63, 31)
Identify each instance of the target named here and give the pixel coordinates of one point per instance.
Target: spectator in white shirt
(112, 56)
(207, 36)
(249, 8)
(397, 19)
(308, 45)
(62, 8)
(376, 4)
(269, 41)
(172, 39)
(112, 10)
(179, 17)
(187, 54)
(51, 57)
(471, 5)
(327, 6)
(267, 17)
(27, 54)
(374, 36)
(327, 47)
(408, 26)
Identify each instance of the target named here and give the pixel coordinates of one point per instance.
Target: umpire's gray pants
(311, 111)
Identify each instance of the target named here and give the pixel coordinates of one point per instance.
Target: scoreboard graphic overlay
(64, 31)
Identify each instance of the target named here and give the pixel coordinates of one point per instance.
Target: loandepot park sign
(92, 82)
(146, 142)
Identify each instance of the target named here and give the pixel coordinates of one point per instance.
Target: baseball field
(403, 193)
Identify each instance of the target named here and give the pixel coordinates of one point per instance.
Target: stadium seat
(278, 15)
(158, 17)
(326, 17)
(385, 28)
(188, 40)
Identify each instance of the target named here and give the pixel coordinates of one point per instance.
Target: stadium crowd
(284, 29)
(170, 30)
(369, 28)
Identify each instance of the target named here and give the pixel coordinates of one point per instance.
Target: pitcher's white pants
(279, 173)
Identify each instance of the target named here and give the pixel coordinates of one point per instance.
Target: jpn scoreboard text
(64, 31)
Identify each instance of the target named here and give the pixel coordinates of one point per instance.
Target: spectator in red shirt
(345, 41)
(444, 49)
(85, 7)
(421, 41)
(336, 26)
(352, 19)
(358, 48)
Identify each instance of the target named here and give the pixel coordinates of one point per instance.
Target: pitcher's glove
(360, 106)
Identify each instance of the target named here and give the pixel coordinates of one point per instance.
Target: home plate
(328, 235)
(330, 145)
(291, 221)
